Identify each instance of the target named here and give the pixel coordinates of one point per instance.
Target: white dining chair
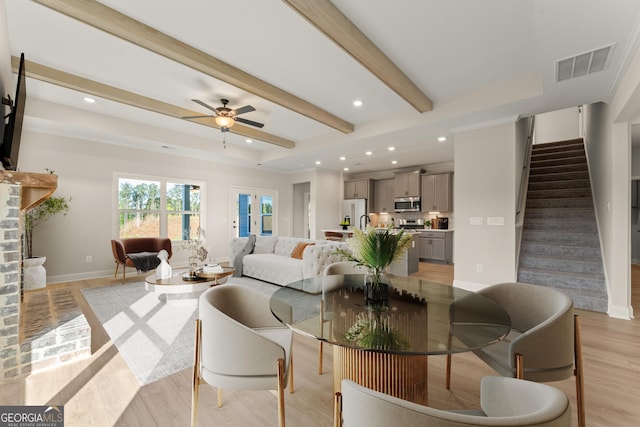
(506, 402)
(544, 343)
(239, 344)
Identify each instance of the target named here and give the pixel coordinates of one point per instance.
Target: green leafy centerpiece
(372, 331)
(376, 249)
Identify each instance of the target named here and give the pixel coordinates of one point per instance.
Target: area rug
(155, 336)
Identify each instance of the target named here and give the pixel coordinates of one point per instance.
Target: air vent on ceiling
(582, 64)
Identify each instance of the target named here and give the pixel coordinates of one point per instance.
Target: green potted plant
(35, 275)
(41, 213)
(376, 249)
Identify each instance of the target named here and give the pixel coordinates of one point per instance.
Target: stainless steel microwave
(407, 204)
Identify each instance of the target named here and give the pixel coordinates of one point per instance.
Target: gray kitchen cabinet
(436, 246)
(356, 189)
(407, 184)
(383, 195)
(437, 193)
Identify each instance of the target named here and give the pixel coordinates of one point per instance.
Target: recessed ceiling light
(89, 100)
(391, 148)
(343, 158)
(346, 169)
(357, 103)
(393, 162)
(442, 138)
(368, 153)
(318, 162)
(248, 141)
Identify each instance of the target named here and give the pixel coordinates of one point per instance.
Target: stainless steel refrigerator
(356, 210)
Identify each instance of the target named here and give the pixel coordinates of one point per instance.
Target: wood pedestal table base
(400, 375)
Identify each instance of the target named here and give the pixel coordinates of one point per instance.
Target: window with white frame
(159, 207)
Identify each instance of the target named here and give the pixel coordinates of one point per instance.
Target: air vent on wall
(582, 64)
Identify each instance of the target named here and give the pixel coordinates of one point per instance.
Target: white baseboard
(80, 276)
(620, 312)
(72, 277)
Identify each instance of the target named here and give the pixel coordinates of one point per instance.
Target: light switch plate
(495, 220)
(475, 220)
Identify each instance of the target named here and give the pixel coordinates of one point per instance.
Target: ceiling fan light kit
(224, 122)
(224, 116)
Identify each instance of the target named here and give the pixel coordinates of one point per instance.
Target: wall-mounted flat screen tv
(13, 128)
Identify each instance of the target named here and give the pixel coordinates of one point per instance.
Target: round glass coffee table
(218, 277)
(177, 287)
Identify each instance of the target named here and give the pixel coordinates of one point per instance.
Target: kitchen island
(407, 264)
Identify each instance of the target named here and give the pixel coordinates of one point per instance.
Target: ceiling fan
(225, 117)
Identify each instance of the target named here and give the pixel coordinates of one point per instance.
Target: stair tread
(563, 233)
(581, 157)
(593, 276)
(582, 260)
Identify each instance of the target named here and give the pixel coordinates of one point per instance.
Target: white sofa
(271, 259)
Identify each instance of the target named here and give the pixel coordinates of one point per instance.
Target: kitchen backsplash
(384, 220)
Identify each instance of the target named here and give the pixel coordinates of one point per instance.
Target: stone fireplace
(49, 328)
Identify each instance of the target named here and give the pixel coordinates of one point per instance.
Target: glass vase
(193, 266)
(376, 287)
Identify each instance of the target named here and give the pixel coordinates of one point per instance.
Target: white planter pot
(35, 275)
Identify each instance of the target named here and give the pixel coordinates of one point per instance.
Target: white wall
(85, 171)
(326, 201)
(558, 125)
(485, 177)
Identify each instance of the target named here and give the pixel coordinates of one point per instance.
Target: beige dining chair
(503, 401)
(332, 278)
(544, 343)
(239, 344)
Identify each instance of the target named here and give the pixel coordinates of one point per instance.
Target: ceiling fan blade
(195, 117)
(249, 122)
(197, 101)
(245, 109)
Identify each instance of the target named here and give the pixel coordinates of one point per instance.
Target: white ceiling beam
(113, 22)
(81, 84)
(327, 18)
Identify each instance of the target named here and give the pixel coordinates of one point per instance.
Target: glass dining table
(385, 345)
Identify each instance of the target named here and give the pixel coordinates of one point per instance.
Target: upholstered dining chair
(503, 401)
(240, 345)
(544, 343)
(335, 269)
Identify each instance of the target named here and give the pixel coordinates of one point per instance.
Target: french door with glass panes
(253, 211)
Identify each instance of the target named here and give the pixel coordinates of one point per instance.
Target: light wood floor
(101, 391)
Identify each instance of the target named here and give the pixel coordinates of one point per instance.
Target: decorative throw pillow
(299, 249)
(264, 244)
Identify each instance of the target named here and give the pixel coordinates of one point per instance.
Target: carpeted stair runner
(560, 246)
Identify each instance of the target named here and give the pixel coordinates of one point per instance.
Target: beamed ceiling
(423, 69)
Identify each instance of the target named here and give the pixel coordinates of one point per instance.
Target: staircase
(560, 247)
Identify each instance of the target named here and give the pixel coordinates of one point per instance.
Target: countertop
(406, 230)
